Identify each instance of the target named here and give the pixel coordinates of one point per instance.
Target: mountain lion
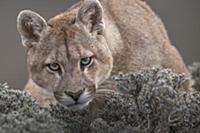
(73, 53)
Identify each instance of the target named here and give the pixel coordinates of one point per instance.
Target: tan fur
(42, 96)
(133, 38)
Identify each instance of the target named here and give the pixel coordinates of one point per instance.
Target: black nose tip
(74, 95)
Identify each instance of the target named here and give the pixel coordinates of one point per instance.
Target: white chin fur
(79, 106)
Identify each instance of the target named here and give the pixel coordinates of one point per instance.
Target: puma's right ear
(30, 26)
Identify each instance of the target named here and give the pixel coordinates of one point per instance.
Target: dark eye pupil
(85, 61)
(54, 67)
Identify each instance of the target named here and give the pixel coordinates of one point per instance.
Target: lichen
(148, 101)
(195, 71)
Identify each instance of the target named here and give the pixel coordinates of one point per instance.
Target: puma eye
(54, 67)
(86, 61)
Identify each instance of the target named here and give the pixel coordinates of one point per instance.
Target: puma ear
(30, 26)
(90, 16)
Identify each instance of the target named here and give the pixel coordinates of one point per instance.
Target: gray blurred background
(181, 18)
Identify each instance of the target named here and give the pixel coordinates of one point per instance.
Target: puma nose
(74, 95)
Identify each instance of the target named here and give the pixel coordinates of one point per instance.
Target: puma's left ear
(90, 16)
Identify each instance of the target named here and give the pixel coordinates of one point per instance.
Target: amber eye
(54, 67)
(86, 61)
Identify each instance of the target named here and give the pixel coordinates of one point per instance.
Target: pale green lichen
(152, 103)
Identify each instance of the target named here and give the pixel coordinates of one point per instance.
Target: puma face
(68, 56)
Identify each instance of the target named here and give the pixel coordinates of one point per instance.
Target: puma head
(68, 55)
